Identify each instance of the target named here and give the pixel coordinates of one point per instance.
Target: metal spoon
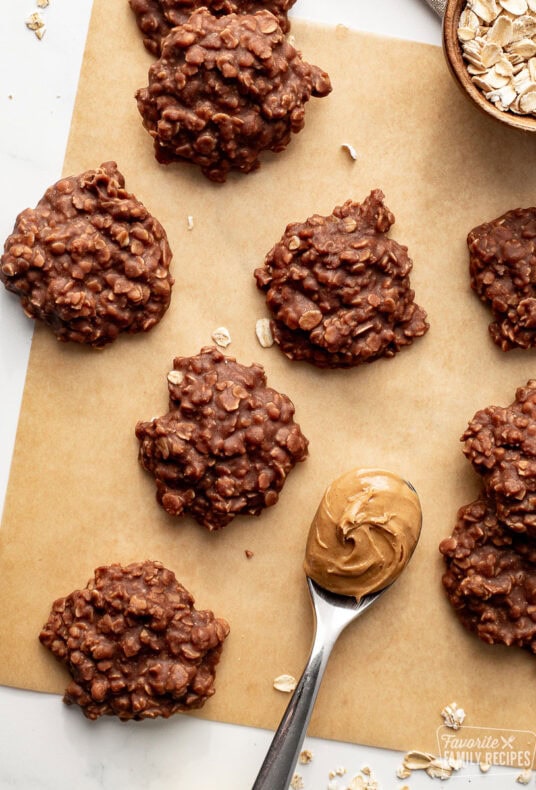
(332, 614)
(438, 6)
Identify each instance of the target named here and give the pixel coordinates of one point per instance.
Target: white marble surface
(43, 744)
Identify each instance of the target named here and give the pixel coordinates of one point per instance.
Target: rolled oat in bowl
(498, 42)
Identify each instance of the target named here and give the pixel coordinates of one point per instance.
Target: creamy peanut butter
(364, 532)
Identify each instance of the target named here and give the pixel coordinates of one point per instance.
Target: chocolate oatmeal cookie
(500, 442)
(89, 261)
(338, 287)
(156, 18)
(227, 444)
(502, 265)
(490, 578)
(134, 643)
(225, 89)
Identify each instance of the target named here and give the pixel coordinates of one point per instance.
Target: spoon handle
(278, 766)
(438, 6)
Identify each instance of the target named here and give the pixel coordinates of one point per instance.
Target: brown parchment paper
(77, 497)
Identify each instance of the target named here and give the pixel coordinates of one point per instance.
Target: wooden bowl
(458, 68)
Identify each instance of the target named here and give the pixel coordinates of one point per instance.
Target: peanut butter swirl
(364, 532)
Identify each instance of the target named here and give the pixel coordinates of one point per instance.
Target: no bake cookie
(134, 643)
(156, 18)
(89, 260)
(490, 577)
(338, 287)
(227, 443)
(500, 442)
(502, 265)
(224, 90)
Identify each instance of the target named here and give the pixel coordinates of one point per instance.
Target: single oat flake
(296, 782)
(286, 683)
(524, 778)
(35, 23)
(453, 716)
(350, 150)
(221, 337)
(175, 377)
(189, 222)
(264, 332)
(43, 3)
(305, 757)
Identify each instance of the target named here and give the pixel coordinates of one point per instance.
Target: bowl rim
(458, 68)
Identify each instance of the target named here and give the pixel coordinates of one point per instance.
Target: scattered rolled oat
(190, 222)
(340, 771)
(453, 716)
(42, 3)
(35, 23)
(435, 767)
(498, 41)
(417, 761)
(456, 765)
(363, 781)
(524, 777)
(350, 149)
(305, 757)
(296, 782)
(439, 770)
(402, 772)
(221, 336)
(263, 331)
(484, 767)
(286, 683)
